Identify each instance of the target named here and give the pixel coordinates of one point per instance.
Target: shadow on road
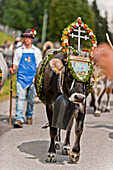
(111, 135)
(4, 124)
(38, 150)
(103, 126)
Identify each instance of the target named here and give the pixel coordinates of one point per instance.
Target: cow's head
(71, 88)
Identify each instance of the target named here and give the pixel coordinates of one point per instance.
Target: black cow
(58, 80)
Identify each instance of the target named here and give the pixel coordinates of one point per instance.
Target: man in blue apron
(26, 59)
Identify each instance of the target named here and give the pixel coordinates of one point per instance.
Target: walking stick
(11, 83)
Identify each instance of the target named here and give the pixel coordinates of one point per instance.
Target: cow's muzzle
(77, 98)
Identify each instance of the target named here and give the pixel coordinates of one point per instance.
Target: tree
(17, 15)
(62, 13)
(101, 24)
(37, 12)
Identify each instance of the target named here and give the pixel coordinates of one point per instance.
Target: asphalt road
(26, 148)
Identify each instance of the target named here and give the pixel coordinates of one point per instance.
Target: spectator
(19, 42)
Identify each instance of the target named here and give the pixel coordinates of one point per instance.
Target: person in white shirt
(26, 59)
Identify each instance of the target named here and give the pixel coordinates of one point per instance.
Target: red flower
(88, 31)
(84, 27)
(32, 30)
(79, 21)
(93, 41)
(92, 36)
(67, 44)
(71, 30)
(75, 26)
(91, 57)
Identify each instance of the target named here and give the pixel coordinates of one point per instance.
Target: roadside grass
(4, 37)
(5, 91)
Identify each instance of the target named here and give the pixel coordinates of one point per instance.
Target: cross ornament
(79, 36)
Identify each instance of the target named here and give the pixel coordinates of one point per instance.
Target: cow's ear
(56, 65)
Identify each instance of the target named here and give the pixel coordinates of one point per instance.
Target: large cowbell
(63, 110)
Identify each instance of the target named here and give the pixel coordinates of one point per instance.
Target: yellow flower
(64, 37)
(67, 28)
(91, 30)
(64, 50)
(65, 32)
(86, 25)
(73, 24)
(94, 36)
(91, 52)
(67, 49)
(63, 44)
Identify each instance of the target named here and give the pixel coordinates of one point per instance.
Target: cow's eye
(69, 79)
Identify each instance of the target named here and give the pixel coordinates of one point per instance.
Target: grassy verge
(5, 91)
(4, 37)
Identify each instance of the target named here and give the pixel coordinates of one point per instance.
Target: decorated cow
(62, 84)
(3, 71)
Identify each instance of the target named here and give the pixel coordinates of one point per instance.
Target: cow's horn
(56, 65)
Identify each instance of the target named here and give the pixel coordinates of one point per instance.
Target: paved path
(26, 148)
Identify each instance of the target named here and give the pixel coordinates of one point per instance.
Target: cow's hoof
(66, 150)
(74, 157)
(57, 146)
(107, 110)
(97, 113)
(51, 157)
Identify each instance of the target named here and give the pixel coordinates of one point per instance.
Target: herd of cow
(58, 80)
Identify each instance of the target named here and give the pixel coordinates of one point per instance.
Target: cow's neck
(60, 83)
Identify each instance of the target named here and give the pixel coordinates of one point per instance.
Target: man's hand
(12, 69)
(103, 56)
(34, 81)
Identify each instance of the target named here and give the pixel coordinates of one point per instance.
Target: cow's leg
(66, 147)
(108, 93)
(92, 102)
(51, 157)
(98, 96)
(58, 139)
(75, 153)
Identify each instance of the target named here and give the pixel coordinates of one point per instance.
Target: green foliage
(29, 13)
(4, 37)
(101, 24)
(5, 91)
(17, 14)
(24, 14)
(64, 12)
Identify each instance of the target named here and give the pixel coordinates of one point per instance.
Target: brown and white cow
(102, 85)
(58, 80)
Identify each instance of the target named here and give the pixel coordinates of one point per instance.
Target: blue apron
(27, 69)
